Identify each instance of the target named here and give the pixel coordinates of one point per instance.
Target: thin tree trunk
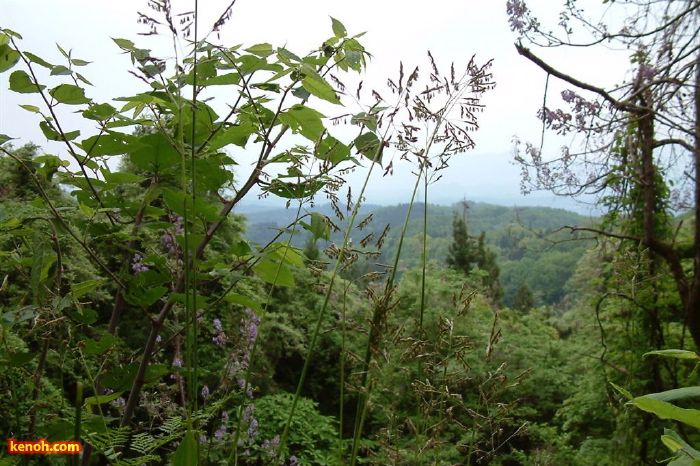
(692, 303)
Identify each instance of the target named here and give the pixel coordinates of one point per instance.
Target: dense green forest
(144, 318)
(523, 239)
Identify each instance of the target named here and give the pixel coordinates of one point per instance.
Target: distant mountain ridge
(481, 216)
(520, 236)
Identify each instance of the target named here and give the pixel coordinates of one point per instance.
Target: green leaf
(69, 94)
(285, 56)
(676, 394)
(20, 359)
(99, 112)
(22, 83)
(124, 44)
(12, 33)
(685, 454)
(671, 443)
(38, 60)
(83, 316)
(187, 452)
(320, 88)
(50, 164)
(338, 28)
(31, 108)
(332, 150)
(155, 154)
(319, 227)
(240, 249)
(222, 80)
(206, 69)
(674, 353)
(19, 315)
(244, 301)
(286, 253)
(156, 371)
(369, 120)
(121, 177)
(294, 190)
(110, 144)
(154, 191)
(369, 145)
(79, 62)
(272, 87)
(86, 209)
(99, 346)
(235, 134)
(261, 50)
(304, 120)
(622, 391)
(53, 135)
(101, 399)
(48, 130)
(63, 52)
(354, 54)
(211, 174)
(176, 200)
(81, 289)
(120, 378)
(146, 297)
(4, 138)
(60, 70)
(666, 410)
(274, 273)
(8, 57)
(82, 78)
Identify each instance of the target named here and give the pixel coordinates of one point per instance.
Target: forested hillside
(145, 320)
(522, 238)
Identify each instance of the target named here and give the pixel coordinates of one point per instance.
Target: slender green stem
(380, 309)
(324, 307)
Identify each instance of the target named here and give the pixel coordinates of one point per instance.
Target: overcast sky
(397, 30)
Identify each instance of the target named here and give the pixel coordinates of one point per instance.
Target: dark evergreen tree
(461, 254)
(486, 261)
(524, 300)
(468, 253)
(19, 177)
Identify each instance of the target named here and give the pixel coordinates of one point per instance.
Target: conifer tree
(468, 253)
(461, 254)
(486, 261)
(524, 300)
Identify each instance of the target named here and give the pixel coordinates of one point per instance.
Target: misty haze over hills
(488, 178)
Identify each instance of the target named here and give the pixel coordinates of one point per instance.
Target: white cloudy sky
(453, 30)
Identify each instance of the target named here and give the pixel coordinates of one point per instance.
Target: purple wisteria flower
(240, 358)
(169, 236)
(221, 431)
(137, 265)
(253, 428)
(647, 72)
(177, 362)
(220, 337)
(205, 392)
(517, 12)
